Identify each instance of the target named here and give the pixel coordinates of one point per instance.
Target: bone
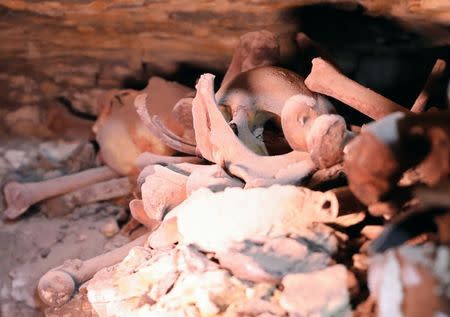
(309, 49)
(255, 49)
(58, 285)
(160, 130)
(20, 196)
(378, 157)
(323, 177)
(212, 177)
(162, 191)
(256, 96)
(205, 218)
(217, 142)
(119, 127)
(327, 80)
(421, 100)
(138, 212)
(110, 189)
(148, 158)
(308, 125)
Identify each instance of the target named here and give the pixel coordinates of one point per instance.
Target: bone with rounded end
(217, 143)
(327, 80)
(138, 212)
(58, 285)
(20, 196)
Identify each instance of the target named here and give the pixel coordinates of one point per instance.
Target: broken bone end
(55, 288)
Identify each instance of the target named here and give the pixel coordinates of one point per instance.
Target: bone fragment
(320, 293)
(119, 127)
(255, 49)
(162, 191)
(148, 158)
(421, 100)
(407, 281)
(138, 212)
(377, 158)
(212, 177)
(325, 176)
(115, 188)
(217, 143)
(162, 132)
(58, 285)
(205, 218)
(20, 196)
(327, 80)
(255, 96)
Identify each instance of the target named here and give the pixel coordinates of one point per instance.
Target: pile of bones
(258, 199)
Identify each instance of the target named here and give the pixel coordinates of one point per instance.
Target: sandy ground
(35, 243)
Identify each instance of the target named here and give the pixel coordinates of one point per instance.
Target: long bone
(58, 285)
(148, 158)
(20, 196)
(110, 189)
(217, 143)
(436, 72)
(255, 49)
(327, 80)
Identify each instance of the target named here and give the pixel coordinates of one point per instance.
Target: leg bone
(19, 197)
(327, 80)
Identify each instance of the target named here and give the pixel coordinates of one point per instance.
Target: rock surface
(73, 51)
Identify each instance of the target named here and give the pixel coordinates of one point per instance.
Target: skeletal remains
(226, 195)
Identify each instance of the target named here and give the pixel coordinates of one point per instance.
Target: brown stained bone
(258, 95)
(58, 285)
(217, 143)
(255, 49)
(164, 134)
(120, 126)
(110, 189)
(148, 158)
(377, 158)
(20, 196)
(327, 80)
(323, 177)
(421, 100)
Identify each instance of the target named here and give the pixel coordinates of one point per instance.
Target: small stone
(110, 228)
(16, 158)
(44, 252)
(57, 151)
(81, 237)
